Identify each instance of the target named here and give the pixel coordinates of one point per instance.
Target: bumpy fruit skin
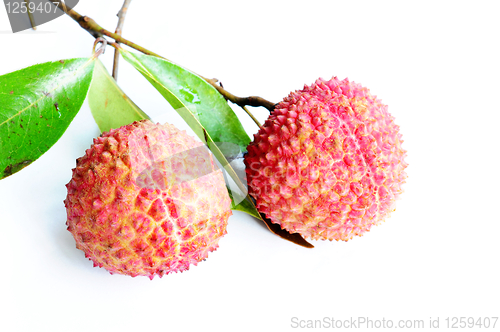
(328, 162)
(146, 199)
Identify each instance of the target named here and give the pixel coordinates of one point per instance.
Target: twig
(96, 30)
(30, 15)
(121, 20)
(251, 115)
(247, 101)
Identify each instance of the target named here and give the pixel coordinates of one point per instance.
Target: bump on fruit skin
(328, 162)
(141, 201)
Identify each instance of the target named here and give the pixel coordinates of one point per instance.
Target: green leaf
(212, 120)
(244, 206)
(184, 89)
(37, 104)
(110, 106)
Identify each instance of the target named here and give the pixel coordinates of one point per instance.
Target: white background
(435, 63)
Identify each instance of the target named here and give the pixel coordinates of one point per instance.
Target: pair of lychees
(147, 199)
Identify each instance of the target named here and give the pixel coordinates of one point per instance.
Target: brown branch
(30, 15)
(96, 30)
(119, 28)
(240, 101)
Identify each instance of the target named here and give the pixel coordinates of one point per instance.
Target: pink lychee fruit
(328, 162)
(146, 199)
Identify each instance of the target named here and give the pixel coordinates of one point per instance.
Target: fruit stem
(97, 31)
(252, 116)
(119, 28)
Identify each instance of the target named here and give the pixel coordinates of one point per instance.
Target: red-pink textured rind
(328, 162)
(129, 209)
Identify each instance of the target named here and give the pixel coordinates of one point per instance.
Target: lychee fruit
(146, 199)
(328, 162)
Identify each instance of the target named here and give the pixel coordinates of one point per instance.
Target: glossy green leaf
(205, 111)
(37, 104)
(184, 89)
(244, 206)
(110, 106)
